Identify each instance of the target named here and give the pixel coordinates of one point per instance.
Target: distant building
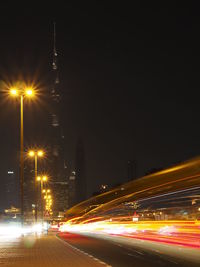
(11, 189)
(60, 195)
(12, 212)
(72, 189)
(81, 183)
(29, 186)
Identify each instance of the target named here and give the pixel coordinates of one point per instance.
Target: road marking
(83, 252)
(132, 255)
(138, 252)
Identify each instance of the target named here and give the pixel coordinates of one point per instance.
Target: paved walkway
(44, 251)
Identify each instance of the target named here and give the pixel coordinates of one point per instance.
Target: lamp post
(42, 180)
(36, 154)
(22, 92)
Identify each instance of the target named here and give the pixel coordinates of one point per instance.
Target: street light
(42, 180)
(36, 154)
(48, 200)
(22, 92)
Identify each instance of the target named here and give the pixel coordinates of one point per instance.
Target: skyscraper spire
(54, 64)
(55, 92)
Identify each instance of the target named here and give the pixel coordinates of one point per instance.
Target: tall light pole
(21, 92)
(36, 154)
(42, 180)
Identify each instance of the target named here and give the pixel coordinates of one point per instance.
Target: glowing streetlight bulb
(40, 153)
(31, 153)
(29, 92)
(44, 178)
(38, 178)
(13, 92)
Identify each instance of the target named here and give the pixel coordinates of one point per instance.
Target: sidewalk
(44, 251)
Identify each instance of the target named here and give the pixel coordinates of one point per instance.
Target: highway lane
(118, 254)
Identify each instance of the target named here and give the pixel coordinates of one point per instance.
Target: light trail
(163, 208)
(185, 233)
(171, 193)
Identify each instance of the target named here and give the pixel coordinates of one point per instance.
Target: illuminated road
(42, 251)
(117, 253)
(150, 221)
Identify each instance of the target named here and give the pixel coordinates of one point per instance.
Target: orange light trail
(184, 233)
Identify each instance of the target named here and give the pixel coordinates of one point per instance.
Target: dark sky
(129, 79)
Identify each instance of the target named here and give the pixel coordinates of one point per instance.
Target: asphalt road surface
(117, 254)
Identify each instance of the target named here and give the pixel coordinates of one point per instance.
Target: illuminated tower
(57, 161)
(55, 104)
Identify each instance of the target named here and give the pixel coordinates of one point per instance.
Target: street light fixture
(22, 92)
(48, 200)
(36, 154)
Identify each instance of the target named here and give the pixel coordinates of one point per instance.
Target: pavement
(119, 252)
(44, 251)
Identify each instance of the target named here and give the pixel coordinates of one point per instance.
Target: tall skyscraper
(58, 181)
(81, 184)
(72, 189)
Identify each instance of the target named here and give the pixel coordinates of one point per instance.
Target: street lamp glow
(40, 153)
(44, 178)
(29, 92)
(38, 178)
(13, 92)
(31, 153)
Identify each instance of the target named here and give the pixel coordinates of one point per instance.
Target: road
(122, 254)
(45, 250)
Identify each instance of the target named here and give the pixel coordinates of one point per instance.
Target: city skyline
(122, 94)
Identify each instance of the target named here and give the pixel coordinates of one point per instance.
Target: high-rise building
(11, 189)
(58, 171)
(29, 188)
(72, 189)
(81, 184)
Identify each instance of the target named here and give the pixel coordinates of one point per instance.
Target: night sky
(129, 76)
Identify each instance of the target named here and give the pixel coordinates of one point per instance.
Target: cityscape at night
(99, 134)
